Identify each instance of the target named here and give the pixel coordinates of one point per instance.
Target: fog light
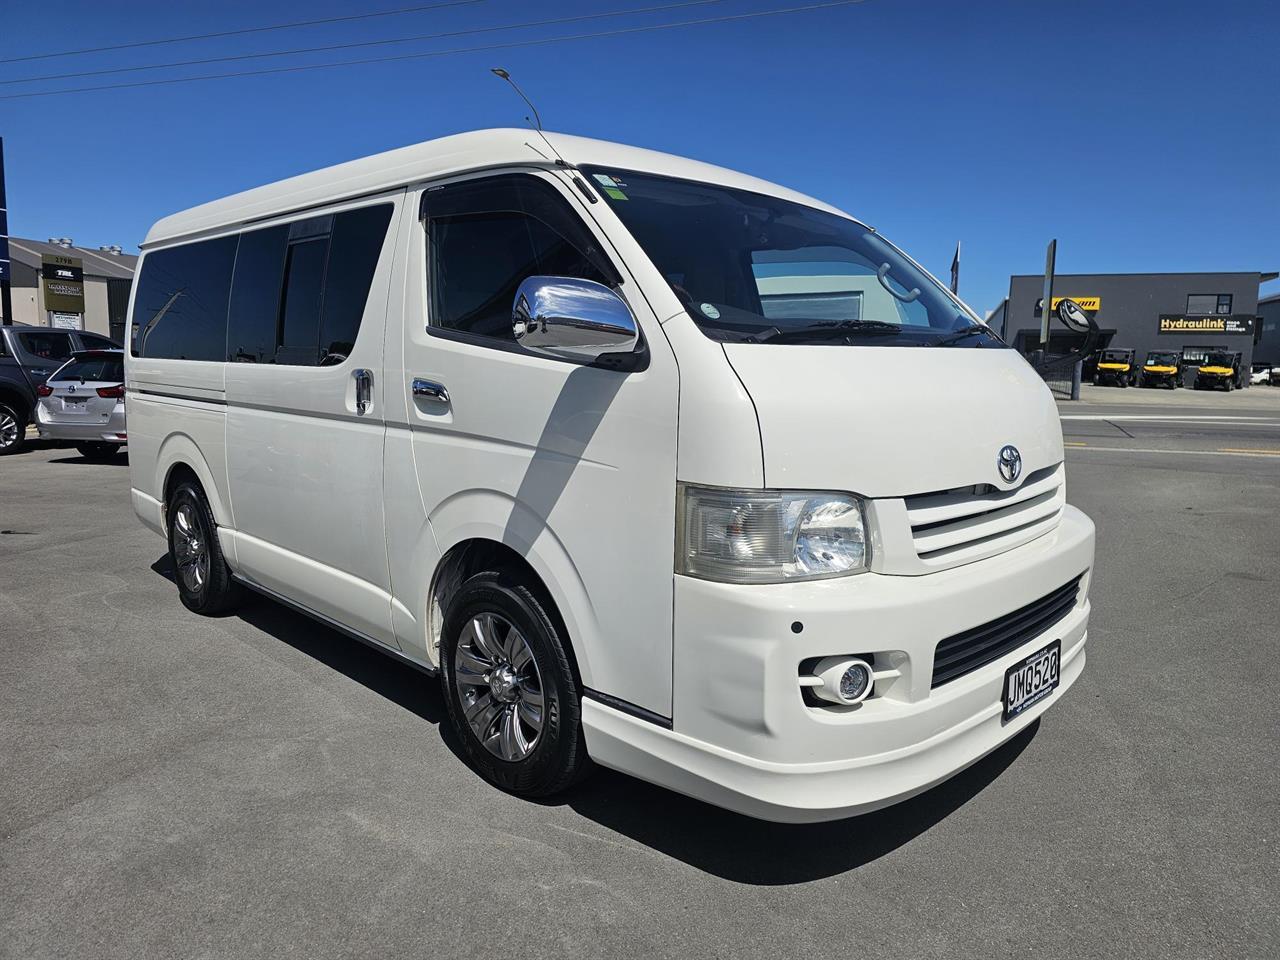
(845, 680)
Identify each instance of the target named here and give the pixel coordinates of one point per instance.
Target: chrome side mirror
(571, 319)
(1073, 316)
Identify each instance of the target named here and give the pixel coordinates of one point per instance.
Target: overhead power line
(237, 33)
(367, 43)
(539, 41)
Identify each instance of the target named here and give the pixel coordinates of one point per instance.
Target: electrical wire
(622, 31)
(236, 33)
(367, 43)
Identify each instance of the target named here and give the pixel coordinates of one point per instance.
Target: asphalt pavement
(258, 785)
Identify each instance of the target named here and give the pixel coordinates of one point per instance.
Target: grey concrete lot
(257, 785)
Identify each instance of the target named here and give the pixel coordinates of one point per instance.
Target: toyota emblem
(1009, 462)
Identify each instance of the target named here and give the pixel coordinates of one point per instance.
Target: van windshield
(755, 268)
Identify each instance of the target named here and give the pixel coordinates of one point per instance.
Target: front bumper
(110, 430)
(743, 737)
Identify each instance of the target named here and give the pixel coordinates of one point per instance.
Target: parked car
(83, 401)
(595, 444)
(28, 354)
(1261, 373)
(1117, 367)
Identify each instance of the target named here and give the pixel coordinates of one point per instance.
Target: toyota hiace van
(657, 465)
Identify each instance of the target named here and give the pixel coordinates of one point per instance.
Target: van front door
(572, 467)
(305, 424)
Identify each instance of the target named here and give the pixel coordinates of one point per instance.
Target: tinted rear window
(180, 309)
(109, 369)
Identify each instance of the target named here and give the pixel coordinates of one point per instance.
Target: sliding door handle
(364, 390)
(430, 390)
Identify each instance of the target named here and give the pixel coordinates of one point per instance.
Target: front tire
(512, 697)
(204, 579)
(13, 429)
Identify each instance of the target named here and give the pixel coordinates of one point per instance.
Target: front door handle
(430, 390)
(364, 390)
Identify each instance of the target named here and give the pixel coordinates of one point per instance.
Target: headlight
(769, 536)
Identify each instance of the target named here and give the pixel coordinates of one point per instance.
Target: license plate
(74, 404)
(1029, 681)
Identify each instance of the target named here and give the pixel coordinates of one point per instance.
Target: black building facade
(1193, 313)
(1267, 348)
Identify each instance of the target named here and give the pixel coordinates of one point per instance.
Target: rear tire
(201, 571)
(97, 449)
(13, 429)
(513, 699)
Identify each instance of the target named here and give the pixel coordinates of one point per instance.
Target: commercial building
(61, 285)
(1267, 346)
(1193, 313)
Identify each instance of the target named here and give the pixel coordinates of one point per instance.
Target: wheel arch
(179, 457)
(470, 555)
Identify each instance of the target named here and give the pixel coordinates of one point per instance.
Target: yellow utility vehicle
(1118, 367)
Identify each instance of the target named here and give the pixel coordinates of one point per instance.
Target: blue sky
(1144, 136)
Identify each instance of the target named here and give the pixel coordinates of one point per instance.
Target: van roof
(444, 157)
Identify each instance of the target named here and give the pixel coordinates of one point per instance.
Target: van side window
(180, 309)
(255, 296)
(486, 236)
(304, 267)
(300, 288)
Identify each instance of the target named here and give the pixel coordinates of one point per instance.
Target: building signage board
(66, 321)
(1089, 304)
(63, 282)
(4, 225)
(4, 238)
(1237, 323)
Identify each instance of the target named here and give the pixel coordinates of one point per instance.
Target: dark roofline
(97, 263)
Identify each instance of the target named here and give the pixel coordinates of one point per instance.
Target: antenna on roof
(536, 123)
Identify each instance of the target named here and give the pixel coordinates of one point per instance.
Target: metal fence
(1062, 374)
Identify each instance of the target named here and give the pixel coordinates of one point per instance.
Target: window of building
(47, 345)
(1207, 304)
(486, 237)
(180, 309)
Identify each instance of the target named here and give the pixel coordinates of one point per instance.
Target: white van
(657, 465)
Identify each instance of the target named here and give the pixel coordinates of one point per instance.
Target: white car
(83, 401)
(1261, 373)
(656, 464)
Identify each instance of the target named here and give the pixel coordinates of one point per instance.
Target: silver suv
(83, 400)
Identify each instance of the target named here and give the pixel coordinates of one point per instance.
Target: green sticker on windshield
(611, 185)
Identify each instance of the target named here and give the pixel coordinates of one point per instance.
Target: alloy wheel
(8, 430)
(190, 548)
(499, 686)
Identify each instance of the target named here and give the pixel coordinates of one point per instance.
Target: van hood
(894, 421)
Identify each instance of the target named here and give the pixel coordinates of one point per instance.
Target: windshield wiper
(827, 330)
(961, 334)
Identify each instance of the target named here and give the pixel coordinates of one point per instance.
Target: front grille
(958, 526)
(968, 651)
